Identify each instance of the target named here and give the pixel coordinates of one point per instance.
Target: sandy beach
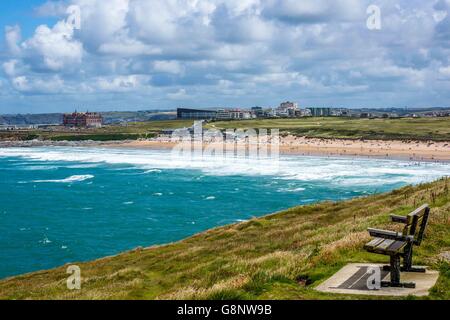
(409, 150)
(387, 149)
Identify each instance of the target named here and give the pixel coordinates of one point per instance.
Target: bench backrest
(416, 223)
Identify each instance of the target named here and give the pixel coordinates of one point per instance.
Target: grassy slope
(421, 129)
(401, 129)
(261, 259)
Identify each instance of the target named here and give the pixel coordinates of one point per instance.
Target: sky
(57, 56)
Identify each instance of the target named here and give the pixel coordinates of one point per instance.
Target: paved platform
(353, 279)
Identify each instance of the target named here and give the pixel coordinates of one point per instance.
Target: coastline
(290, 145)
(435, 151)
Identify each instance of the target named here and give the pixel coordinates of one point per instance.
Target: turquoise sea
(62, 204)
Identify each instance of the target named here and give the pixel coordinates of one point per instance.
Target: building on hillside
(7, 127)
(286, 109)
(270, 113)
(247, 115)
(223, 114)
(306, 113)
(320, 112)
(288, 105)
(83, 119)
(340, 112)
(366, 115)
(10, 127)
(195, 114)
(233, 114)
(258, 112)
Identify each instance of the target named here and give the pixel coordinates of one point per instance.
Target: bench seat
(385, 246)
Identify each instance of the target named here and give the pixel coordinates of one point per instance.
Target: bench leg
(407, 262)
(395, 268)
(407, 257)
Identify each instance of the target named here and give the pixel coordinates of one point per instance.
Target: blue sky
(22, 12)
(159, 54)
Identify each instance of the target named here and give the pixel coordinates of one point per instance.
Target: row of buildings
(284, 110)
(292, 110)
(9, 127)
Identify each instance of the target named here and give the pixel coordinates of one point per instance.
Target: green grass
(102, 137)
(396, 129)
(265, 258)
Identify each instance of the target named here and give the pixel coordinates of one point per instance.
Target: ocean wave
(83, 166)
(331, 170)
(291, 189)
(76, 178)
(153, 171)
(38, 168)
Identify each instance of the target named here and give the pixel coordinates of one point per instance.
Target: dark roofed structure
(196, 114)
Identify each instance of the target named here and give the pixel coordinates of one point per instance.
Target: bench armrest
(399, 219)
(392, 235)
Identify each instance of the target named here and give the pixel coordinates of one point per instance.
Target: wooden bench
(400, 245)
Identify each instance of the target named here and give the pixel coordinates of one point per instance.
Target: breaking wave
(70, 179)
(334, 170)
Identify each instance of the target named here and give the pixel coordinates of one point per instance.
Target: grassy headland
(347, 128)
(280, 256)
(437, 129)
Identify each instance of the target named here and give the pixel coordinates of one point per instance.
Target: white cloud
(181, 94)
(51, 9)
(54, 48)
(127, 47)
(12, 37)
(168, 67)
(26, 84)
(9, 67)
(121, 83)
(445, 71)
(282, 78)
(154, 22)
(244, 51)
(313, 11)
(243, 28)
(101, 21)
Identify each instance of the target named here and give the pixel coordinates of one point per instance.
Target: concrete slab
(352, 279)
